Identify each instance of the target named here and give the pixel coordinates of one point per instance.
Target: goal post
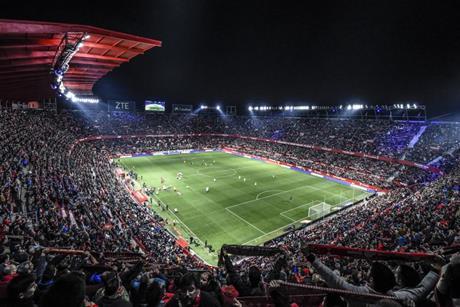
(319, 210)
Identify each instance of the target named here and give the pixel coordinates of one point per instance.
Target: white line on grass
(264, 197)
(304, 205)
(273, 231)
(255, 227)
(180, 221)
(287, 217)
(287, 225)
(185, 225)
(325, 191)
(300, 206)
(257, 197)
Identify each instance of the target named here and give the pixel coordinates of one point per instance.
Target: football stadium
(173, 154)
(221, 198)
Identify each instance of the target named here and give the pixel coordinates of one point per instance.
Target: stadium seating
(69, 225)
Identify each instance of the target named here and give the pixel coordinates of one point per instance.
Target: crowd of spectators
(438, 138)
(72, 235)
(377, 137)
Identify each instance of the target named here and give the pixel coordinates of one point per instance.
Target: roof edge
(53, 27)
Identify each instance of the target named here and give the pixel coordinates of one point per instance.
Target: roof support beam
(44, 62)
(99, 57)
(27, 55)
(113, 48)
(24, 70)
(22, 75)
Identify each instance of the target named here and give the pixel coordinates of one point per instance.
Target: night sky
(276, 52)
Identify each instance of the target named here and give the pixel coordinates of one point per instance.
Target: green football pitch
(248, 201)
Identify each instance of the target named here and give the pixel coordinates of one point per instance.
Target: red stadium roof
(29, 49)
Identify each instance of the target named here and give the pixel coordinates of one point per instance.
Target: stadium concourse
(71, 234)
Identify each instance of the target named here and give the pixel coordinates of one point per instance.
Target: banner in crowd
(370, 254)
(247, 250)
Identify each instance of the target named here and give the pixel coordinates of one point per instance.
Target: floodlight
(70, 95)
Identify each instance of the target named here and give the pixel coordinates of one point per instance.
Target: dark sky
(316, 52)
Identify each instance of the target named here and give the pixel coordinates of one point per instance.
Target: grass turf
(249, 202)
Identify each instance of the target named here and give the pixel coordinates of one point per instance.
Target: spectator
(448, 287)
(113, 293)
(382, 281)
(21, 291)
(190, 295)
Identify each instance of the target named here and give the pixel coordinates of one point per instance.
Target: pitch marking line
(273, 231)
(304, 205)
(325, 191)
(264, 197)
(300, 206)
(255, 227)
(257, 197)
(287, 217)
(252, 200)
(180, 221)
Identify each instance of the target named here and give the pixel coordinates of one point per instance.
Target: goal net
(319, 210)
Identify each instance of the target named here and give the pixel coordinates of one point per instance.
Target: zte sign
(122, 106)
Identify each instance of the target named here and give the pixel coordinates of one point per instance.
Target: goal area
(319, 210)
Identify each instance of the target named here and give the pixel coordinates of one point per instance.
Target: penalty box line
(228, 209)
(282, 227)
(253, 226)
(283, 192)
(264, 197)
(304, 205)
(287, 225)
(273, 231)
